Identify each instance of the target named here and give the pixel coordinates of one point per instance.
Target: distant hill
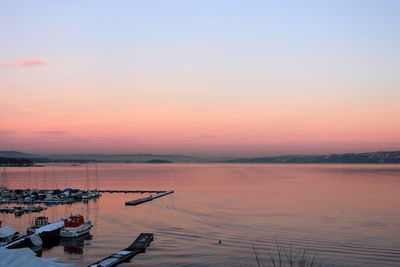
(15, 162)
(371, 157)
(14, 154)
(21, 155)
(139, 158)
(83, 158)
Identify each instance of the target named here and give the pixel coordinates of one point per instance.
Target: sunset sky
(200, 77)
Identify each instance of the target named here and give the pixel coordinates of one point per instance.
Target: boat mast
(66, 178)
(2, 181)
(44, 178)
(4, 177)
(97, 178)
(87, 177)
(55, 184)
(29, 178)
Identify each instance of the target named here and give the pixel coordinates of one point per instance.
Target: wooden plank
(138, 246)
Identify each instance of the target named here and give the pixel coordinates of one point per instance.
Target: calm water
(348, 214)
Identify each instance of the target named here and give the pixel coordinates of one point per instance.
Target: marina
(45, 196)
(72, 231)
(62, 197)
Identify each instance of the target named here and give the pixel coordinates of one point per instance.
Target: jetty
(18, 211)
(138, 246)
(142, 200)
(130, 191)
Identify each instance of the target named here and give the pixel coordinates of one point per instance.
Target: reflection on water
(74, 245)
(347, 214)
(50, 243)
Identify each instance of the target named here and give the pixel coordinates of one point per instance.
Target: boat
(47, 231)
(34, 209)
(6, 210)
(75, 226)
(34, 241)
(18, 211)
(8, 235)
(37, 223)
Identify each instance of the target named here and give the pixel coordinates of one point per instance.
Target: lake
(348, 215)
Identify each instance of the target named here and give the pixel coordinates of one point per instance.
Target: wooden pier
(130, 191)
(142, 200)
(138, 246)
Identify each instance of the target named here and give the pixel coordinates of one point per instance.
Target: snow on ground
(26, 257)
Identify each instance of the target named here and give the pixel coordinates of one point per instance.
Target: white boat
(8, 235)
(75, 226)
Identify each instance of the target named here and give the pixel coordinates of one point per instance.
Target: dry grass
(281, 257)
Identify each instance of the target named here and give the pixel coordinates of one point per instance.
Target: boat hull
(49, 235)
(76, 231)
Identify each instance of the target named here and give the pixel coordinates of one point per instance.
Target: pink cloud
(24, 62)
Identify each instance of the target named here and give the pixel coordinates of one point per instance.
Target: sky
(200, 77)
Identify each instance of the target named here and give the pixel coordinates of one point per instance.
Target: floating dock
(142, 200)
(138, 246)
(130, 191)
